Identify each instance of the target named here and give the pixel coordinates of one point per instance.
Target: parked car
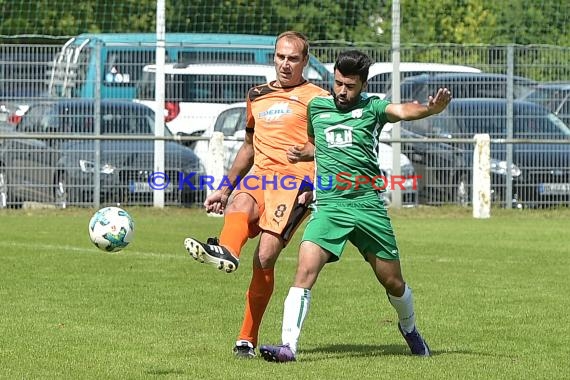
(196, 93)
(462, 85)
(11, 112)
(231, 122)
(554, 96)
(62, 171)
(380, 73)
(540, 171)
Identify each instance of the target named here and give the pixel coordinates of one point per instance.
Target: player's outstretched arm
(414, 111)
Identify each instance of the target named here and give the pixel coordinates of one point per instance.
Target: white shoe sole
(198, 253)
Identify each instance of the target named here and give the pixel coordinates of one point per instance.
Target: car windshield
(559, 124)
(421, 87)
(382, 83)
(230, 121)
(538, 127)
(549, 98)
(120, 123)
(79, 118)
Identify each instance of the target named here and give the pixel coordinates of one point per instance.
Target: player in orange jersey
(272, 202)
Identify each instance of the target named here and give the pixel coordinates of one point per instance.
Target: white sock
(404, 306)
(294, 313)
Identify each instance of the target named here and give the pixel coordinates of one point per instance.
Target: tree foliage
(357, 21)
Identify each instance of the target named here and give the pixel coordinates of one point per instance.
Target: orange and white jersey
(278, 119)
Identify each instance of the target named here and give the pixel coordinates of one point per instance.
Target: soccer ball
(111, 229)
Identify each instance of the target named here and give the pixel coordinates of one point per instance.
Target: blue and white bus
(112, 63)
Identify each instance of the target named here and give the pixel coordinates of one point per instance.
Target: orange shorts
(276, 198)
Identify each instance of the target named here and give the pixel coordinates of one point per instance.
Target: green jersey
(346, 148)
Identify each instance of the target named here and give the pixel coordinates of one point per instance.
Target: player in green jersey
(343, 131)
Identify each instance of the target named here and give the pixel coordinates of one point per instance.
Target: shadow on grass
(366, 350)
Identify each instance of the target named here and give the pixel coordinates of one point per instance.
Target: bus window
(125, 67)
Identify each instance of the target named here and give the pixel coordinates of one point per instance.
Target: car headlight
(89, 167)
(500, 167)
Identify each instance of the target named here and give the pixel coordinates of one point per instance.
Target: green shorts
(365, 224)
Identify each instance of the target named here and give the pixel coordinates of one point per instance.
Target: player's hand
(294, 154)
(298, 153)
(437, 103)
(216, 202)
(305, 198)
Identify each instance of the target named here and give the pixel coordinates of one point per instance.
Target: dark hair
(290, 34)
(353, 62)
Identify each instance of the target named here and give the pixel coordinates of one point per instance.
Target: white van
(380, 73)
(196, 93)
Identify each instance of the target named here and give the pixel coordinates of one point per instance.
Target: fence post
(396, 196)
(215, 162)
(159, 88)
(482, 177)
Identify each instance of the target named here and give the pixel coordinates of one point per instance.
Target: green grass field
(491, 299)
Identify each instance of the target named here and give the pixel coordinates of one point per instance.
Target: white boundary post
(395, 133)
(158, 195)
(482, 177)
(215, 162)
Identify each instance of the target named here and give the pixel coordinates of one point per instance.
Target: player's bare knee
(267, 259)
(243, 203)
(395, 286)
(305, 277)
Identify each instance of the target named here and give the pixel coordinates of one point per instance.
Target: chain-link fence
(517, 94)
